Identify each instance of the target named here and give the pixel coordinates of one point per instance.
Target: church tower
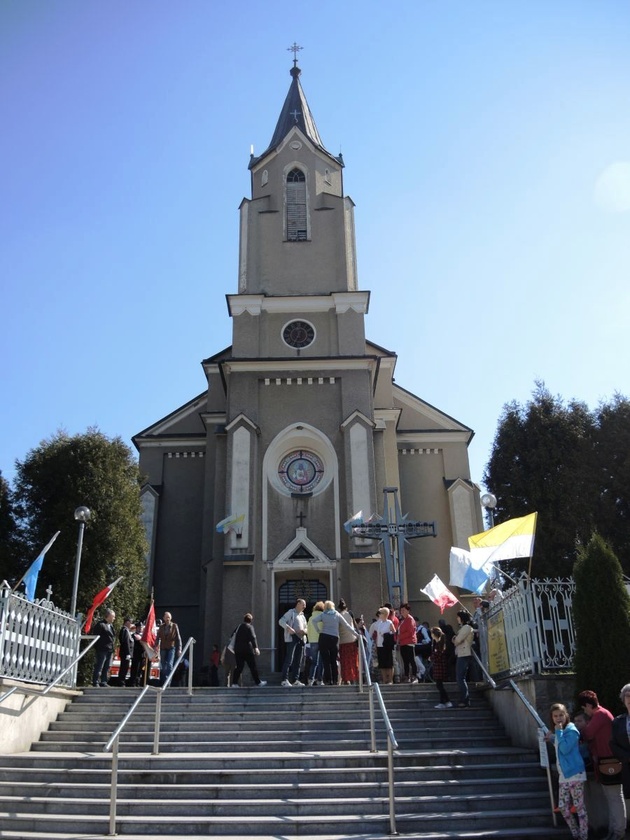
(300, 427)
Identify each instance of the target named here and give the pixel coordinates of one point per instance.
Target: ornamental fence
(530, 630)
(37, 640)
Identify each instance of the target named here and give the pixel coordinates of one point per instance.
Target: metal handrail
(73, 664)
(113, 742)
(392, 743)
(541, 724)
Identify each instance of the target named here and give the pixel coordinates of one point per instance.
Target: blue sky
(487, 149)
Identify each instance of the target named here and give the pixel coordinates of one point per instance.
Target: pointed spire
(295, 112)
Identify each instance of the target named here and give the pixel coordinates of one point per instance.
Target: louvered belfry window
(296, 206)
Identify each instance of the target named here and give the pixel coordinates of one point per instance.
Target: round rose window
(301, 471)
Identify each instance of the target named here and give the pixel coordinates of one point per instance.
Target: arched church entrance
(306, 584)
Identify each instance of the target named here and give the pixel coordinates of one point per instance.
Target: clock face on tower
(298, 334)
(301, 471)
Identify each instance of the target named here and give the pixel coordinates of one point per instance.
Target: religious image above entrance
(301, 471)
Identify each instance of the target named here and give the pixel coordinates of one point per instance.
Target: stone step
(509, 833)
(272, 761)
(146, 711)
(348, 773)
(248, 807)
(522, 833)
(418, 825)
(332, 719)
(307, 733)
(221, 786)
(394, 696)
(239, 742)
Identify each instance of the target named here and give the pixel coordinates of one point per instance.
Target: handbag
(230, 644)
(389, 642)
(609, 771)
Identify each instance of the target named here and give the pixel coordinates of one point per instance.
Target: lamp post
(82, 515)
(489, 502)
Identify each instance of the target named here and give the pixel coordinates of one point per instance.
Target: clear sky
(487, 150)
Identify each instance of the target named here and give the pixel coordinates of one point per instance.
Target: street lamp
(82, 515)
(489, 502)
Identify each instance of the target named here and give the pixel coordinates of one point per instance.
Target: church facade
(300, 427)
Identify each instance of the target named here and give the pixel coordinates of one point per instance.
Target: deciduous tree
(58, 476)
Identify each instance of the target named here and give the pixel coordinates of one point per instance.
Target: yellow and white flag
(507, 541)
(230, 523)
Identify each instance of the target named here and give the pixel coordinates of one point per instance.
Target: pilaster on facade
(359, 459)
(150, 500)
(242, 433)
(465, 510)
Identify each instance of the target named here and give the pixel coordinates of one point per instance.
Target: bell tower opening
(296, 206)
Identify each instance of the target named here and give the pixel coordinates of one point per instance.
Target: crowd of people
(594, 740)
(320, 650)
(324, 649)
(135, 660)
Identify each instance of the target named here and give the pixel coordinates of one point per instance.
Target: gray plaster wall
(23, 717)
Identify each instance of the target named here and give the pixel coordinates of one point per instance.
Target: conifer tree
(601, 616)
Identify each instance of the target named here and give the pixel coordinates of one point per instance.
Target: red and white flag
(148, 634)
(103, 595)
(439, 594)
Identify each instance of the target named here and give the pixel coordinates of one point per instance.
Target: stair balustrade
(113, 741)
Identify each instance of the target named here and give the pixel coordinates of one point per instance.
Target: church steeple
(297, 229)
(295, 113)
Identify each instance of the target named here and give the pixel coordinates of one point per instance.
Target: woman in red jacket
(407, 642)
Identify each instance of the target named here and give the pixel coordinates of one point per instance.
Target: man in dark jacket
(620, 740)
(104, 648)
(245, 651)
(125, 637)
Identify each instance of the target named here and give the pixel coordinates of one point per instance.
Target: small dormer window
(296, 206)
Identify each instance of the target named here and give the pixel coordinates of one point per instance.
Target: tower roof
(295, 112)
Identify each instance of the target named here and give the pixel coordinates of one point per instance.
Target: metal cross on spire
(294, 48)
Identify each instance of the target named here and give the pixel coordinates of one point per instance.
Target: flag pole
(500, 570)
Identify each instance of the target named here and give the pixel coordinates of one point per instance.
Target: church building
(300, 427)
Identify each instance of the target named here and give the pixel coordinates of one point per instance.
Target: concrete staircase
(275, 762)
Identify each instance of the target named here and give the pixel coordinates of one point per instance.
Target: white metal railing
(530, 630)
(37, 639)
(114, 739)
(69, 668)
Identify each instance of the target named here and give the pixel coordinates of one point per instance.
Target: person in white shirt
(293, 622)
(383, 632)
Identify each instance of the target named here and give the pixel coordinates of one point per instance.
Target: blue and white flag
(30, 578)
(467, 574)
(357, 519)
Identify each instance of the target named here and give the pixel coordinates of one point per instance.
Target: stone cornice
(339, 301)
(340, 363)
